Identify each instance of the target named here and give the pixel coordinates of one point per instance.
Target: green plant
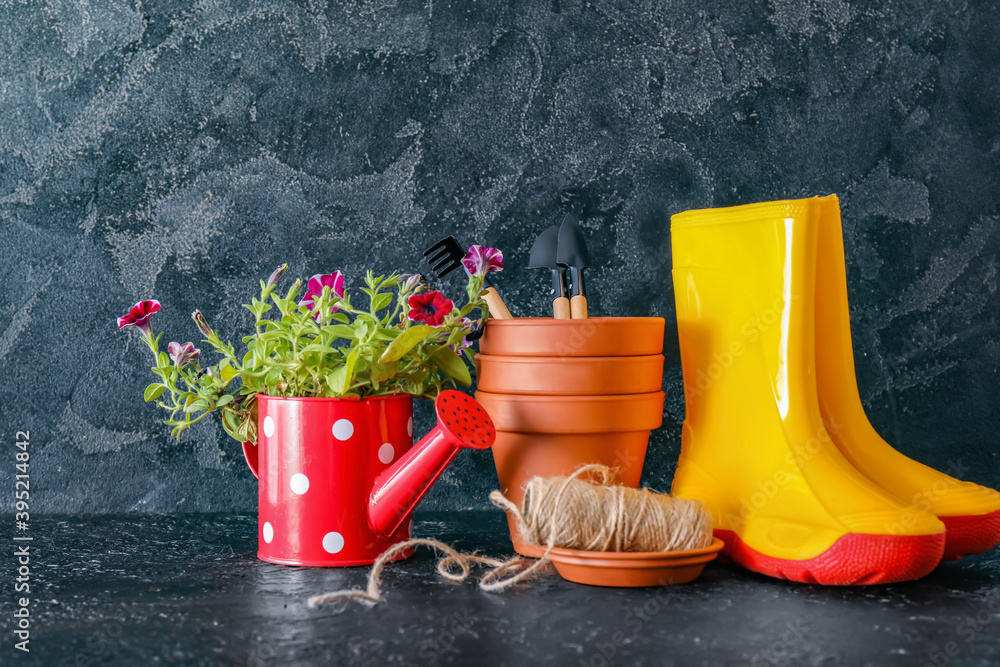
(405, 339)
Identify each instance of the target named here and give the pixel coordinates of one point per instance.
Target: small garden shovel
(543, 256)
(572, 253)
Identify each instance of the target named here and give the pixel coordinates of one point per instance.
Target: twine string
(568, 512)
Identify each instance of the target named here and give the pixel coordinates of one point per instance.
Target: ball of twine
(585, 511)
(572, 512)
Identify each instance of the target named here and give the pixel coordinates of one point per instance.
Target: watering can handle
(250, 454)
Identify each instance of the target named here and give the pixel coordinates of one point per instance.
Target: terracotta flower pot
(563, 393)
(551, 436)
(594, 337)
(569, 376)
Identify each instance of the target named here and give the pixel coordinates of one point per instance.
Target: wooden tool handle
(578, 307)
(560, 308)
(498, 309)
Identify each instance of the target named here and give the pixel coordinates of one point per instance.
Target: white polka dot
(409, 427)
(268, 532)
(386, 453)
(299, 484)
(333, 543)
(343, 429)
(268, 426)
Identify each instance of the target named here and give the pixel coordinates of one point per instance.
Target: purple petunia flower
(182, 354)
(482, 259)
(409, 281)
(202, 323)
(273, 279)
(314, 288)
(138, 316)
(465, 342)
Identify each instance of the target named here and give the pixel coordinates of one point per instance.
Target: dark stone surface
(182, 150)
(145, 589)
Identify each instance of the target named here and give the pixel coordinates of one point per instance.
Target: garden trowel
(543, 256)
(572, 253)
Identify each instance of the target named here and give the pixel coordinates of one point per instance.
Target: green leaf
(340, 378)
(199, 404)
(360, 329)
(405, 342)
(227, 372)
(225, 399)
(335, 379)
(382, 301)
(385, 333)
(382, 371)
(230, 421)
(340, 330)
(452, 365)
(153, 391)
(273, 376)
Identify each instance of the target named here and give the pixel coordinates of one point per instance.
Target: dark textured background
(182, 150)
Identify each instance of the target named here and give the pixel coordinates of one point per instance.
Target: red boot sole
(971, 534)
(853, 560)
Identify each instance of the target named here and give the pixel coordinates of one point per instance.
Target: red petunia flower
(138, 316)
(429, 308)
(314, 288)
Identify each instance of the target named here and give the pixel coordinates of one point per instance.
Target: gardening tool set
(563, 251)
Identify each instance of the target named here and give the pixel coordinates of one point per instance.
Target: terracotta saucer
(609, 568)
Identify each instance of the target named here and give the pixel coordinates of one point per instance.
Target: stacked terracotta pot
(563, 393)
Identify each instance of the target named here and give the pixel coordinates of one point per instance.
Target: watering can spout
(461, 423)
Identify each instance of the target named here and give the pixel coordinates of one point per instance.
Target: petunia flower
(429, 308)
(314, 288)
(408, 281)
(481, 259)
(202, 323)
(182, 354)
(468, 338)
(273, 279)
(138, 316)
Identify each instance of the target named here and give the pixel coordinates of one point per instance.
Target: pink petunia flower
(182, 354)
(481, 259)
(314, 288)
(138, 316)
(429, 308)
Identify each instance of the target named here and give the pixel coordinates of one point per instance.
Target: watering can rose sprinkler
(327, 426)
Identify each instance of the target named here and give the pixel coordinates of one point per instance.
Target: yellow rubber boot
(970, 512)
(754, 448)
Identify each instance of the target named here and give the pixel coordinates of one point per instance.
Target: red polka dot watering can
(339, 478)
